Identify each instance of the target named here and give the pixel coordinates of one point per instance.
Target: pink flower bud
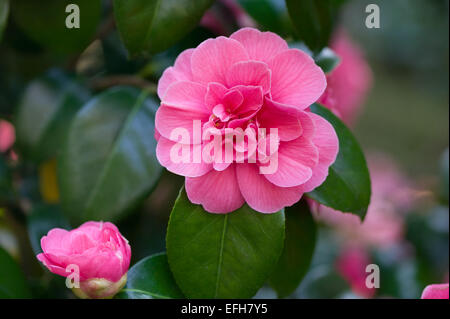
(438, 291)
(7, 135)
(95, 257)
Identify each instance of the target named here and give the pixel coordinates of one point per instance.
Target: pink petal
(190, 169)
(80, 242)
(262, 195)
(214, 94)
(212, 59)
(296, 159)
(307, 123)
(169, 119)
(250, 73)
(185, 95)
(181, 71)
(261, 46)
(233, 99)
(218, 192)
(221, 166)
(285, 118)
(296, 79)
(326, 140)
(54, 241)
(56, 269)
(437, 291)
(253, 99)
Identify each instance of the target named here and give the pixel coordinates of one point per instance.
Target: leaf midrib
(150, 27)
(219, 265)
(140, 99)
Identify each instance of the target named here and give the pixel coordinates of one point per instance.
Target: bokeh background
(402, 125)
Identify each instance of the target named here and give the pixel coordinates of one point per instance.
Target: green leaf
(347, 187)
(4, 12)
(42, 219)
(45, 22)
(44, 113)
(222, 255)
(109, 163)
(155, 25)
(327, 60)
(12, 280)
(299, 245)
(313, 20)
(151, 278)
(271, 15)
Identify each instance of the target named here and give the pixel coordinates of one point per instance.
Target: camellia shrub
(226, 123)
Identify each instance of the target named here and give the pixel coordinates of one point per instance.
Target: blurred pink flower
(349, 83)
(251, 80)
(351, 265)
(100, 252)
(384, 223)
(437, 291)
(7, 135)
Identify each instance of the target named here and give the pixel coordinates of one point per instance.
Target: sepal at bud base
(99, 288)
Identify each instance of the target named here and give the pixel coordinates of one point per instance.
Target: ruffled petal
(212, 59)
(296, 79)
(252, 73)
(296, 160)
(181, 71)
(217, 191)
(262, 195)
(326, 140)
(260, 46)
(170, 156)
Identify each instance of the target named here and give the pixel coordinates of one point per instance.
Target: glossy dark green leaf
(222, 255)
(4, 13)
(271, 15)
(347, 187)
(301, 233)
(151, 278)
(313, 20)
(155, 25)
(327, 60)
(42, 219)
(44, 113)
(116, 58)
(12, 280)
(109, 163)
(45, 22)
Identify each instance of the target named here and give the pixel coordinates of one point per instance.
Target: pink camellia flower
(7, 136)
(349, 82)
(100, 254)
(383, 225)
(351, 264)
(250, 81)
(437, 291)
